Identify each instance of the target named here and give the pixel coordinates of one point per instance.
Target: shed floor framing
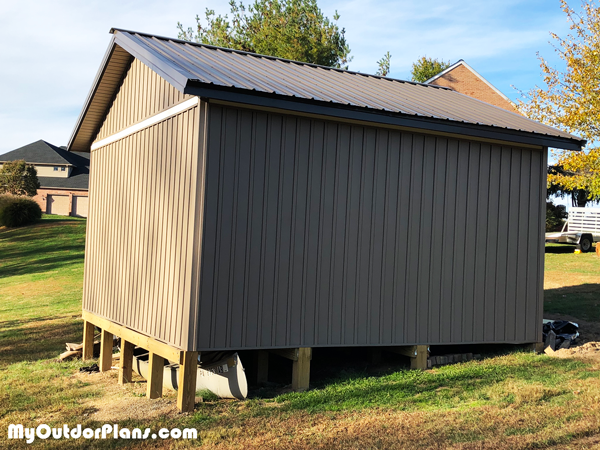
(159, 351)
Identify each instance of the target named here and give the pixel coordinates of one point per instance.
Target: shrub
(18, 211)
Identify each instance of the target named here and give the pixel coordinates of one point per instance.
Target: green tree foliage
(384, 65)
(555, 216)
(18, 178)
(576, 176)
(570, 101)
(425, 68)
(290, 29)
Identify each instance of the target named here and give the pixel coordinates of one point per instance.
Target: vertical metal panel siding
(142, 94)
(319, 233)
(142, 215)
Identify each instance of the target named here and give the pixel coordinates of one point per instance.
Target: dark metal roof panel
(229, 68)
(201, 69)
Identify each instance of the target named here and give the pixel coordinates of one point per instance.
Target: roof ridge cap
(276, 58)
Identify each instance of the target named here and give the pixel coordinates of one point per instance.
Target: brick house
(63, 176)
(464, 79)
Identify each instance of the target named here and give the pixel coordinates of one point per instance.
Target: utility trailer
(581, 228)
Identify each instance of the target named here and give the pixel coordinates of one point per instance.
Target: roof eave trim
(95, 84)
(424, 123)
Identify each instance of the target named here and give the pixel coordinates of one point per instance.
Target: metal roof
(225, 74)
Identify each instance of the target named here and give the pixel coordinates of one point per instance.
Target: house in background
(464, 79)
(63, 177)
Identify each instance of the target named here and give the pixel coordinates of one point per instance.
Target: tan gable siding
(462, 80)
(141, 241)
(142, 94)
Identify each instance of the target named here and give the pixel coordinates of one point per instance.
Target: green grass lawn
(505, 401)
(572, 283)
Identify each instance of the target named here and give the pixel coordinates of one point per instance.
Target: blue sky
(51, 50)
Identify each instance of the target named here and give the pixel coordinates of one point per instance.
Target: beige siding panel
(142, 212)
(57, 204)
(142, 94)
(80, 206)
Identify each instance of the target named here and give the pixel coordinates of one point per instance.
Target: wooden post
(126, 365)
(186, 384)
(417, 354)
(88, 340)
(156, 369)
(420, 360)
(106, 346)
(301, 370)
(536, 347)
(262, 366)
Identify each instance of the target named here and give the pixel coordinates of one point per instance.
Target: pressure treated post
(420, 360)
(88, 340)
(262, 366)
(417, 353)
(106, 346)
(126, 366)
(156, 369)
(301, 370)
(186, 384)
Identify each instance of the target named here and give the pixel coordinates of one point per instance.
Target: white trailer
(581, 228)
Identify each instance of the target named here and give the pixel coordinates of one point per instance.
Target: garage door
(80, 206)
(58, 204)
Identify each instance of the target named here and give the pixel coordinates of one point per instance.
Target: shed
(240, 201)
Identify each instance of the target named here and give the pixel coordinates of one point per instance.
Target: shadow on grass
(43, 264)
(446, 387)
(36, 249)
(35, 339)
(560, 248)
(582, 301)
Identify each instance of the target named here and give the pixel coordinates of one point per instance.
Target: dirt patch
(589, 352)
(119, 403)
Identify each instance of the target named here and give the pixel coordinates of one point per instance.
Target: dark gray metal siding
(319, 233)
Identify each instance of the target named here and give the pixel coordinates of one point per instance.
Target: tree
(18, 178)
(425, 68)
(570, 100)
(577, 174)
(555, 216)
(290, 29)
(384, 65)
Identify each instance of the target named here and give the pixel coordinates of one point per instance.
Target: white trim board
(147, 122)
